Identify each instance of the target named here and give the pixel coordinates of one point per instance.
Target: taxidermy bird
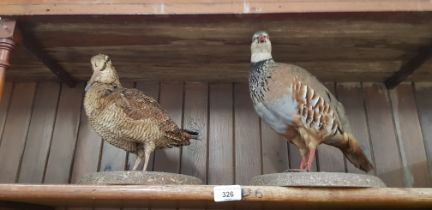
(298, 107)
(126, 118)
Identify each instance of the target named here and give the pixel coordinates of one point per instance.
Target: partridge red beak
(261, 39)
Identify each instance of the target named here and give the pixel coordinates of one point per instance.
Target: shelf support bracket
(409, 67)
(33, 45)
(7, 44)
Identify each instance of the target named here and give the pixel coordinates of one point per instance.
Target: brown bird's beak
(92, 80)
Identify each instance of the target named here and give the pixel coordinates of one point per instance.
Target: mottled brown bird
(300, 108)
(126, 118)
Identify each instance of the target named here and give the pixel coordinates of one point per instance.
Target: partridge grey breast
(299, 107)
(127, 118)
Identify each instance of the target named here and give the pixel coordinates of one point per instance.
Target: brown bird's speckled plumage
(300, 108)
(126, 118)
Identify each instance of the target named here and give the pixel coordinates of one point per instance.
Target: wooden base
(317, 179)
(138, 178)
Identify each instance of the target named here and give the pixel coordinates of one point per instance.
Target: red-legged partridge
(300, 108)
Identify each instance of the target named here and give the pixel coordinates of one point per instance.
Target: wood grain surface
(40, 132)
(363, 46)
(46, 137)
(15, 130)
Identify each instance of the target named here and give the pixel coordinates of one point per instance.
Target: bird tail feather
(190, 134)
(181, 137)
(352, 151)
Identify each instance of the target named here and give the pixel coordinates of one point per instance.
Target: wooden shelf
(135, 7)
(214, 48)
(201, 196)
(208, 40)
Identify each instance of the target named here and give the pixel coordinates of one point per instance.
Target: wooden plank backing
(424, 103)
(247, 142)
(194, 156)
(410, 138)
(171, 99)
(221, 134)
(330, 158)
(64, 136)
(112, 158)
(15, 131)
(274, 150)
(195, 117)
(150, 88)
(388, 163)
(40, 133)
(4, 105)
(87, 153)
(88, 150)
(382, 121)
(351, 96)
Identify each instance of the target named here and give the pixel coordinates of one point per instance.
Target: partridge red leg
(303, 163)
(310, 159)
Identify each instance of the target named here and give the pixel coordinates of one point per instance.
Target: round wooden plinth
(137, 178)
(317, 179)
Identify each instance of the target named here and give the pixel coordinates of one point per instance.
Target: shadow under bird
(127, 118)
(299, 107)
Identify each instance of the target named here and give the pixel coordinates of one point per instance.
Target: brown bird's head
(103, 71)
(261, 47)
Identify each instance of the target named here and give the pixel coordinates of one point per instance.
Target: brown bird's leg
(137, 163)
(146, 159)
(148, 149)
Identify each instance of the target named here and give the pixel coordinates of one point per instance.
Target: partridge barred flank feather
(300, 108)
(126, 118)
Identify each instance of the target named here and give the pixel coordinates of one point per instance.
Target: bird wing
(320, 111)
(322, 91)
(318, 107)
(137, 106)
